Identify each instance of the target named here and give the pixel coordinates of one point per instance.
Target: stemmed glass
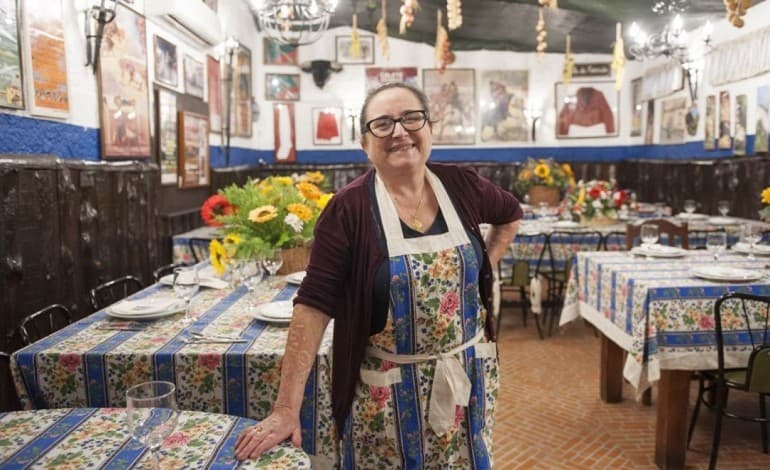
(272, 261)
(723, 207)
(252, 276)
(649, 235)
(689, 206)
(152, 414)
(660, 209)
(751, 235)
(716, 243)
(186, 285)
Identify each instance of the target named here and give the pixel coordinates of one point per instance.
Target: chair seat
(736, 378)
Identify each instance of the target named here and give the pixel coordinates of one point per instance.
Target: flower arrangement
(275, 212)
(544, 172)
(764, 213)
(596, 198)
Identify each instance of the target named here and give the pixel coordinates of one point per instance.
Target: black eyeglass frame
(398, 120)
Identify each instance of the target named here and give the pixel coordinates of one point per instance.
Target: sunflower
(218, 256)
(315, 177)
(542, 171)
(302, 211)
(263, 214)
(309, 190)
(324, 200)
(766, 195)
(284, 180)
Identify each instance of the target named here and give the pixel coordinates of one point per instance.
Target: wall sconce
(98, 13)
(533, 114)
(228, 48)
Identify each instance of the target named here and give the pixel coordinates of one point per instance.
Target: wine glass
(186, 285)
(660, 209)
(751, 235)
(152, 414)
(689, 206)
(235, 272)
(253, 274)
(272, 261)
(723, 207)
(649, 235)
(716, 243)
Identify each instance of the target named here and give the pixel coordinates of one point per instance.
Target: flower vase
(539, 193)
(294, 259)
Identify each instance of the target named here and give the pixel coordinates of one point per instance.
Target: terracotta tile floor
(549, 414)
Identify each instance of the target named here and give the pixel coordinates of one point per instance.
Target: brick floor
(549, 414)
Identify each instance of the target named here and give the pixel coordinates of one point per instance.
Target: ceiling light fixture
(294, 22)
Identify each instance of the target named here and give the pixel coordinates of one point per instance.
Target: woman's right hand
(283, 423)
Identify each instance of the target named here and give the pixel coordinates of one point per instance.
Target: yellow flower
(549, 180)
(581, 195)
(567, 170)
(218, 256)
(232, 239)
(525, 175)
(542, 170)
(284, 180)
(766, 195)
(323, 200)
(309, 190)
(265, 189)
(263, 214)
(300, 210)
(315, 177)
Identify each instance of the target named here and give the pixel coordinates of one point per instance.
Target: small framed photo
(194, 168)
(166, 70)
(167, 132)
(343, 52)
(193, 77)
(281, 87)
(279, 54)
(327, 126)
(586, 109)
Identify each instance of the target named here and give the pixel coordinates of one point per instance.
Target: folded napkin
(145, 306)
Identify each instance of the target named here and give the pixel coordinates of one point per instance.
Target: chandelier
(294, 22)
(672, 41)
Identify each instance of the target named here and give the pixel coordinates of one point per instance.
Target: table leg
(671, 427)
(611, 375)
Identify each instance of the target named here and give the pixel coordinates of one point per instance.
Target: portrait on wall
(739, 141)
(279, 54)
(193, 77)
(124, 107)
(724, 141)
(242, 110)
(586, 110)
(710, 124)
(649, 130)
(452, 97)
(166, 130)
(281, 87)
(46, 55)
(377, 76)
(214, 82)
(636, 107)
(283, 133)
(136, 5)
(11, 85)
(346, 55)
(763, 119)
(502, 105)
(327, 126)
(672, 125)
(194, 150)
(166, 63)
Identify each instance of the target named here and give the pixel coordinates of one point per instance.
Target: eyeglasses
(385, 126)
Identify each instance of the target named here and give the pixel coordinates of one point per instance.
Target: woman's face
(403, 150)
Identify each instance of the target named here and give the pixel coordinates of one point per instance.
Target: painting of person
(503, 115)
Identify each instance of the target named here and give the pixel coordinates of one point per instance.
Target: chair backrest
(8, 399)
(563, 245)
(672, 231)
(530, 248)
(614, 241)
(199, 247)
(165, 270)
(44, 322)
(110, 292)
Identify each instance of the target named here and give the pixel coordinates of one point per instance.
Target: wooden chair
(199, 247)
(165, 270)
(110, 292)
(672, 230)
(43, 322)
(614, 241)
(9, 401)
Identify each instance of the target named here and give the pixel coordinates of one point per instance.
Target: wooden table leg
(671, 427)
(611, 375)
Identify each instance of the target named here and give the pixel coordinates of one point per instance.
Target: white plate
(759, 250)
(566, 224)
(278, 312)
(693, 216)
(660, 251)
(722, 221)
(145, 309)
(726, 273)
(211, 282)
(295, 278)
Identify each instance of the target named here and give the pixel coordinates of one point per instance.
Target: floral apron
(429, 381)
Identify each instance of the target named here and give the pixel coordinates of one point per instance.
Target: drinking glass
(186, 285)
(716, 243)
(235, 272)
(151, 414)
(272, 261)
(649, 235)
(689, 206)
(660, 209)
(253, 274)
(723, 207)
(751, 235)
(542, 210)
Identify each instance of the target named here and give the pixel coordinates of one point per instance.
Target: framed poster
(278, 54)
(194, 150)
(213, 72)
(166, 64)
(242, 93)
(282, 87)
(11, 84)
(710, 123)
(502, 102)
(649, 130)
(193, 77)
(166, 130)
(723, 140)
(636, 107)
(672, 124)
(377, 76)
(283, 132)
(46, 55)
(124, 108)
(586, 110)
(739, 147)
(327, 126)
(452, 96)
(342, 50)
(763, 119)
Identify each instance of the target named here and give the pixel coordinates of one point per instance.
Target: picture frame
(327, 125)
(649, 130)
(194, 164)
(284, 133)
(194, 81)
(710, 123)
(586, 110)
(166, 128)
(503, 98)
(11, 69)
(124, 109)
(739, 141)
(282, 86)
(452, 96)
(46, 59)
(275, 53)
(378, 76)
(242, 118)
(763, 119)
(672, 120)
(214, 83)
(342, 50)
(637, 107)
(724, 139)
(166, 62)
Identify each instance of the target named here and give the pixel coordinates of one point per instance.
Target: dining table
(658, 313)
(92, 362)
(65, 438)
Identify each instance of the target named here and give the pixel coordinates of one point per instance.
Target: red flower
(380, 395)
(176, 440)
(619, 198)
(459, 415)
(209, 361)
(71, 362)
(595, 192)
(706, 322)
(449, 303)
(214, 206)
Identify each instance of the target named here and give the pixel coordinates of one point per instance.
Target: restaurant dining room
(338, 234)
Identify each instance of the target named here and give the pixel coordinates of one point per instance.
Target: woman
(398, 261)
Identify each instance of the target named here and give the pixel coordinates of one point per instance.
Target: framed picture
(193, 77)
(343, 52)
(649, 130)
(763, 119)
(724, 141)
(672, 122)
(636, 107)
(327, 126)
(452, 96)
(283, 132)
(11, 84)
(243, 113)
(213, 72)
(124, 108)
(711, 123)
(46, 55)
(502, 101)
(166, 129)
(194, 150)
(278, 54)
(377, 76)
(585, 110)
(282, 87)
(739, 142)
(166, 64)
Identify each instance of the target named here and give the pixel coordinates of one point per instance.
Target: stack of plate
(726, 273)
(659, 251)
(146, 309)
(275, 312)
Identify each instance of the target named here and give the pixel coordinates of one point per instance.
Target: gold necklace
(415, 222)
